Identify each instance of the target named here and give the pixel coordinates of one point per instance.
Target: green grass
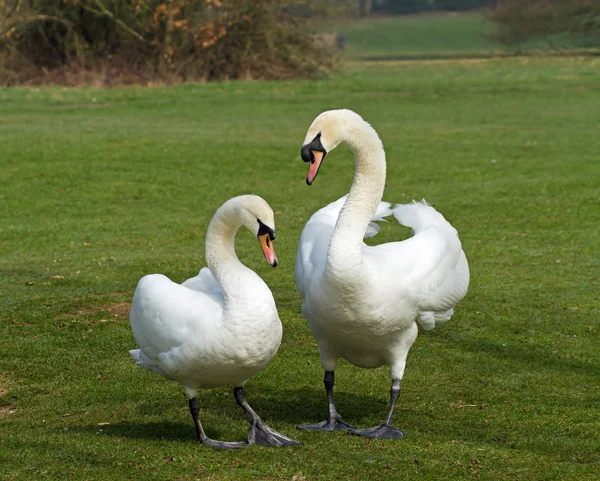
(438, 35)
(94, 198)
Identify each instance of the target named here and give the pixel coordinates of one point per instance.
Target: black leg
(195, 412)
(334, 421)
(260, 433)
(385, 430)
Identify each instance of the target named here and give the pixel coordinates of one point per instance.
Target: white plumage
(363, 302)
(218, 328)
(186, 334)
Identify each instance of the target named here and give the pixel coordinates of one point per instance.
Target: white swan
(363, 303)
(220, 327)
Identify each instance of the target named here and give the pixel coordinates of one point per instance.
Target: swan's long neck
(219, 248)
(364, 196)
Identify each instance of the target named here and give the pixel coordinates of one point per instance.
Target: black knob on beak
(306, 153)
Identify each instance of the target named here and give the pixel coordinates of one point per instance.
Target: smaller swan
(220, 327)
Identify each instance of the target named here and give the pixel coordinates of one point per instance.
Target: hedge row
(158, 40)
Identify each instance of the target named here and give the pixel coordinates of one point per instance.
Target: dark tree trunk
(364, 8)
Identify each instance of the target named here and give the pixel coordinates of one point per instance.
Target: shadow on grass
(307, 405)
(163, 430)
(182, 432)
(539, 357)
(278, 408)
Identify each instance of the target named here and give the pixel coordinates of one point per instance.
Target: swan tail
(145, 362)
(142, 360)
(138, 357)
(384, 209)
(428, 319)
(419, 215)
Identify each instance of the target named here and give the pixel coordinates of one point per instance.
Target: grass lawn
(99, 187)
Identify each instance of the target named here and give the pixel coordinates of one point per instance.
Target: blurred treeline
(141, 41)
(121, 41)
(521, 21)
(418, 6)
(574, 23)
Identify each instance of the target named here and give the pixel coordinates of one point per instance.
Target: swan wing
(314, 242)
(204, 282)
(384, 209)
(165, 316)
(429, 270)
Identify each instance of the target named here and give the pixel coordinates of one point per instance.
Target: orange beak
(268, 249)
(315, 163)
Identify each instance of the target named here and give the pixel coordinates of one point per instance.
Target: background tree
(364, 8)
(524, 20)
(166, 40)
(417, 6)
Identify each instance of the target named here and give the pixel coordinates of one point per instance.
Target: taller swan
(363, 303)
(220, 327)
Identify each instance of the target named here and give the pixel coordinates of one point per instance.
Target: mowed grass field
(100, 187)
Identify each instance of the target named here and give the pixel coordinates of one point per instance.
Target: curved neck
(219, 245)
(365, 193)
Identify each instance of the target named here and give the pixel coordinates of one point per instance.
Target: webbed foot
(263, 435)
(383, 431)
(222, 444)
(332, 424)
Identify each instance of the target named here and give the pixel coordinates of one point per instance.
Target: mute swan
(363, 303)
(220, 327)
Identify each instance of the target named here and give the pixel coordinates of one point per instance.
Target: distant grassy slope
(432, 35)
(435, 35)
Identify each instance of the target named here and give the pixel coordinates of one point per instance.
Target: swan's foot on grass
(211, 443)
(260, 433)
(202, 437)
(263, 435)
(383, 431)
(334, 423)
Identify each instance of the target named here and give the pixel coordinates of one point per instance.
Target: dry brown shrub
(110, 42)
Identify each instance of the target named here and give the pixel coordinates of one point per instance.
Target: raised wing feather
(430, 269)
(204, 282)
